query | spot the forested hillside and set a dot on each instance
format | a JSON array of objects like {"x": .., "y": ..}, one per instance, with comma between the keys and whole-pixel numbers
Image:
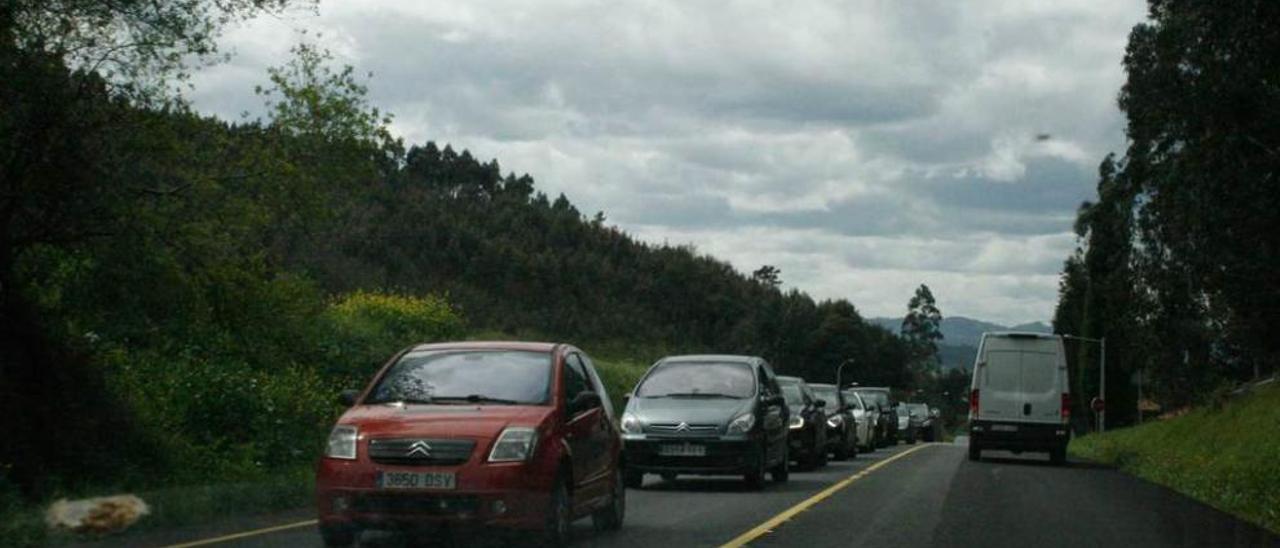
[
  {"x": 190, "y": 293},
  {"x": 1177, "y": 257}
]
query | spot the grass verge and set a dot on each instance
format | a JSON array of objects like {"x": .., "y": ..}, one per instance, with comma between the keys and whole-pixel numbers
[
  {"x": 176, "y": 507},
  {"x": 1228, "y": 458}
]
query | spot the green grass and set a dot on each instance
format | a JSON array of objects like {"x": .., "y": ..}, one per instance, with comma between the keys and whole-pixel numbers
[
  {"x": 174, "y": 507},
  {"x": 1228, "y": 458}
]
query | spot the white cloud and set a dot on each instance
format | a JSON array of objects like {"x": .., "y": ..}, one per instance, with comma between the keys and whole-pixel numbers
[{"x": 863, "y": 147}]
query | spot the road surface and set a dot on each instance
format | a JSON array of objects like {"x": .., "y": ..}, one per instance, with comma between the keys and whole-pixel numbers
[{"x": 924, "y": 495}]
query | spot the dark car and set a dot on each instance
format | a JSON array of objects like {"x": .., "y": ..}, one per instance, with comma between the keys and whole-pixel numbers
[
  {"x": 808, "y": 425},
  {"x": 906, "y": 426},
  {"x": 842, "y": 429},
  {"x": 707, "y": 415},
  {"x": 517, "y": 435},
  {"x": 921, "y": 420},
  {"x": 883, "y": 400}
]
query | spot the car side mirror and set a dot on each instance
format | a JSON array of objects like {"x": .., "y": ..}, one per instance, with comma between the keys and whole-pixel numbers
[
  {"x": 583, "y": 401},
  {"x": 820, "y": 403},
  {"x": 348, "y": 397}
]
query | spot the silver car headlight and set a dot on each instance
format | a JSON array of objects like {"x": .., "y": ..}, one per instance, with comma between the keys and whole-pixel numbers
[
  {"x": 515, "y": 444},
  {"x": 835, "y": 421},
  {"x": 342, "y": 442},
  {"x": 631, "y": 424},
  {"x": 797, "y": 422},
  {"x": 742, "y": 424}
]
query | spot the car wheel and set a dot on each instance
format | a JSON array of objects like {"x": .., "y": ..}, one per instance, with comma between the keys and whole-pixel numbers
[
  {"x": 755, "y": 478},
  {"x": 559, "y": 514},
  {"x": 975, "y": 450},
  {"x": 841, "y": 452},
  {"x": 336, "y": 536},
  {"x": 633, "y": 478},
  {"x": 610, "y": 517},
  {"x": 1058, "y": 455},
  {"x": 782, "y": 471}
]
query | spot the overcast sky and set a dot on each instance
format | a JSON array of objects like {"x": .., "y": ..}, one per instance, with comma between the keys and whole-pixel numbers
[{"x": 863, "y": 148}]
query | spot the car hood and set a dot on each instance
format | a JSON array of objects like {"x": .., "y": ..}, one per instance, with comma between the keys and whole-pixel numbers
[
  {"x": 690, "y": 410},
  {"x": 446, "y": 421}
]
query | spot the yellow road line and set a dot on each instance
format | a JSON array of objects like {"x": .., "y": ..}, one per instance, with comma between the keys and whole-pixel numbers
[
  {"x": 255, "y": 532},
  {"x": 789, "y": 513}
]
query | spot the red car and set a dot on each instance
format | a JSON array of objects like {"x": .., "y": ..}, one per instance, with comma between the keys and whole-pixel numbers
[{"x": 488, "y": 434}]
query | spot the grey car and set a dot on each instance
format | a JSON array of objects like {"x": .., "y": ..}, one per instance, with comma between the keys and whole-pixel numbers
[{"x": 706, "y": 415}]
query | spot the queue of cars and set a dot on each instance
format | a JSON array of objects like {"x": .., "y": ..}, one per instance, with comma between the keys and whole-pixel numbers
[{"x": 523, "y": 436}]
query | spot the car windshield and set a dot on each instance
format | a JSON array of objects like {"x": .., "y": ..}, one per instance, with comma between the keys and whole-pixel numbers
[
  {"x": 471, "y": 376},
  {"x": 791, "y": 391},
  {"x": 853, "y": 400},
  {"x": 699, "y": 379},
  {"x": 879, "y": 398},
  {"x": 826, "y": 393}
]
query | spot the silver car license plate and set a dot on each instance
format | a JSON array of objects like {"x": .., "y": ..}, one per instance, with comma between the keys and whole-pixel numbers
[
  {"x": 682, "y": 450},
  {"x": 416, "y": 480}
]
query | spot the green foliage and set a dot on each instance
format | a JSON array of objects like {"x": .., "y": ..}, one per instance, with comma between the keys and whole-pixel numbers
[
  {"x": 1228, "y": 458},
  {"x": 368, "y": 328}
]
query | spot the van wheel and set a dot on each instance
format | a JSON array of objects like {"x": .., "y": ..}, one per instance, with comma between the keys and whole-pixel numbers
[
  {"x": 975, "y": 451},
  {"x": 610, "y": 517},
  {"x": 840, "y": 453},
  {"x": 559, "y": 514}
]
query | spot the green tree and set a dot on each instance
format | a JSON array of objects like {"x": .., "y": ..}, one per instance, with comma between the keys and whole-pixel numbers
[{"x": 922, "y": 330}]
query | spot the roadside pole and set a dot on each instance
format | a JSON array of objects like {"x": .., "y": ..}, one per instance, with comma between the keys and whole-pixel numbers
[{"x": 1102, "y": 384}]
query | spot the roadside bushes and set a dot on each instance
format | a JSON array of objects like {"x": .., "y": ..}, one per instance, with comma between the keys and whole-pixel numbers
[{"x": 364, "y": 329}]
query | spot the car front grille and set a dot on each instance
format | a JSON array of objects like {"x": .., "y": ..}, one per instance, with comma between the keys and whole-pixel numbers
[
  {"x": 682, "y": 429},
  {"x": 422, "y": 451}
]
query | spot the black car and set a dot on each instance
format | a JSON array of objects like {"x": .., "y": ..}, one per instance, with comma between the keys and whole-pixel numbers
[
  {"x": 706, "y": 415},
  {"x": 923, "y": 419},
  {"x": 883, "y": 400},
  {"x": 842, "y": 431},
  {"x": 808, "y": 424}
]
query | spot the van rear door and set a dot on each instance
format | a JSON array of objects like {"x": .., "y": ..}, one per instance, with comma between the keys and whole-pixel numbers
[{"x": 1020, "y": 378}]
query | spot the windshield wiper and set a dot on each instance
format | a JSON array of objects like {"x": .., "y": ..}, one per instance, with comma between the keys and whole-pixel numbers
[
  {"x": 697, "y": 395},
  {"x": 476, "y": 398},
  {"x": 402, "y": 401}
]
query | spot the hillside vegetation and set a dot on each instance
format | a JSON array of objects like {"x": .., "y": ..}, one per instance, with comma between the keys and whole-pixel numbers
[{"x": 1227, "y": 457}]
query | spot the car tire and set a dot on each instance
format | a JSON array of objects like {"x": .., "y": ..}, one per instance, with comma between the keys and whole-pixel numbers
[
  {"x": 1058, "y": 455},
  {"x": 781, "y": 472},
  {"x": 633, "y": 479},
  {"x": 337, "y": 536},
  {"x": 975, "y": 450},
  {"x": 610, "y": 517},
  {"x": 840, "y": 453},
  {"x": 556, "y": 531}
]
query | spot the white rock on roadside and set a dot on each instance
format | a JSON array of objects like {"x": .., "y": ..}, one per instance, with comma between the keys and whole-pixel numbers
[{"x": 99, "y": 515}]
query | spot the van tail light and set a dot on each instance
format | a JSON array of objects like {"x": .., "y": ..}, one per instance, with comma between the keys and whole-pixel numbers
[
  {"x": 1066, "y": 407},
  {"x": 973, "y": 401}
]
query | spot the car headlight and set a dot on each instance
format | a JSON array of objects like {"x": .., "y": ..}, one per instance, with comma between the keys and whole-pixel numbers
[
  {"x": 515, "y": 444},
  {"x": 797, "y": 422},
  {"x": 742, "y": 424},
  {"x": 342, "y": 442},
  {"x": 835, "y": 421},
  {"x": 631, "y": 424}
]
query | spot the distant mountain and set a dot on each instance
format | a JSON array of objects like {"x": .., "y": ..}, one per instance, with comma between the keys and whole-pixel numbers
[
  {"x": 962, "y": 331},
  {"x": 960, "y": 336}
]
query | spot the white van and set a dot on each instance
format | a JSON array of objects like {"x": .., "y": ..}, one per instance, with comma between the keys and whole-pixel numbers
[{"x": 1019, "y": 399}]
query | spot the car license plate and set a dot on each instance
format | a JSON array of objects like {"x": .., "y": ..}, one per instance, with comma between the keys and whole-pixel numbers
[
  {"x": 682, "y": 450},
  {"x": 1004, "y": 427},
  {"x": 416, "y": 480}
]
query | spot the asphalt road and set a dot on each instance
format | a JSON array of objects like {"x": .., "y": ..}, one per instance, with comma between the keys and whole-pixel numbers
[{"x": 930, "y": 497}]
